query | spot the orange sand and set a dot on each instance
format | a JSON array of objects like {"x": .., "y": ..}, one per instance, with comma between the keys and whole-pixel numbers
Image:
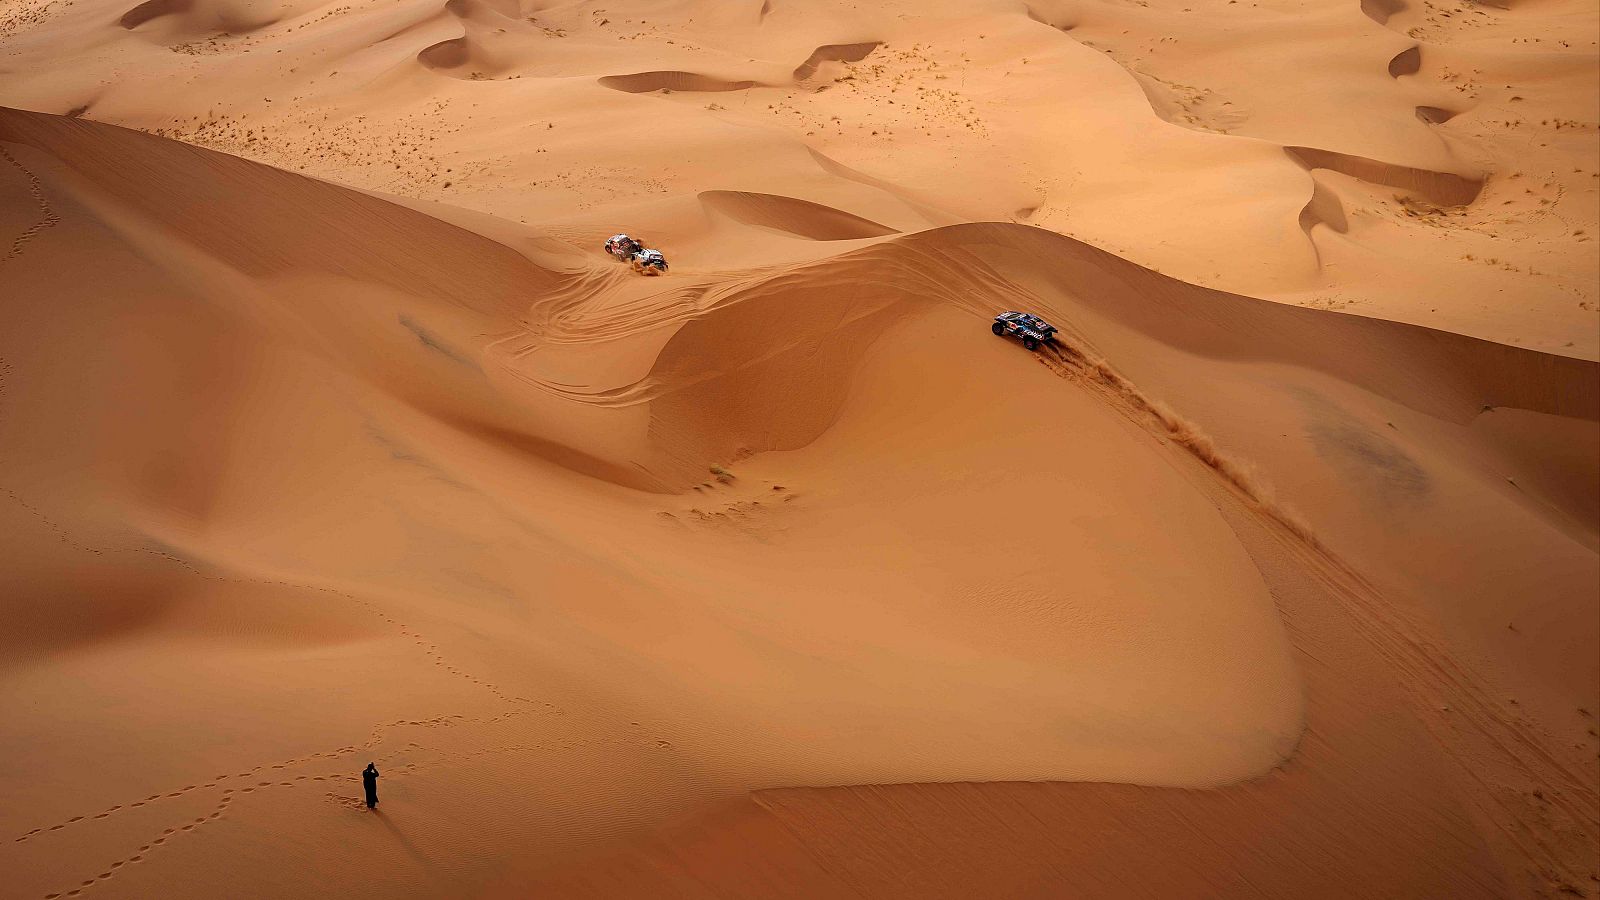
[{"x": 780, "y": 576}]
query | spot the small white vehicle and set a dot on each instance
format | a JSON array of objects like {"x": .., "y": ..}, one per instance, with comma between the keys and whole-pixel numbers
[{"x": 649, "y": 262}]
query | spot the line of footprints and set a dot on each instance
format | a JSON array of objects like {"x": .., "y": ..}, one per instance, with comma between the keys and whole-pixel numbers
[
  {"x": 430, "y": 649},
  {"x": 229, "y": 795},
  {"x": 344, "y": 775},
  {"x": 374, "y": 736}
]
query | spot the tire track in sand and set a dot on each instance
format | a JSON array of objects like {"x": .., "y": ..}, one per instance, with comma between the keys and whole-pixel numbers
[{"x": 1540, "y": 804}]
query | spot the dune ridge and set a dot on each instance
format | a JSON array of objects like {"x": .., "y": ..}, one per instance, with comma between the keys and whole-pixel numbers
[
  {"x": 827, "y": 53},
  {"x": 1442, "y": 188},
  {"x": 801, "y": 218},
  {"x": 649, "y": 82}
]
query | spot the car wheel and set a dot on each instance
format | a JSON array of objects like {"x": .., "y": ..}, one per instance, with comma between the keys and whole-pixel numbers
[
  {"x": 997, "y": 328},
  {"x": 1030, "y": 343}
]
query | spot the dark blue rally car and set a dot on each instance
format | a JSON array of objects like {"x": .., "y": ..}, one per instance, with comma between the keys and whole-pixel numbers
[{"x": 1032, "y": 329}]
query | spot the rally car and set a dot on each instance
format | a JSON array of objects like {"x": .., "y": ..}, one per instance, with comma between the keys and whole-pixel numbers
[
  {"x": 1033, "y": 330},
  {"x": 649, "y": 262},
  {"x": 622, "y": 247}
]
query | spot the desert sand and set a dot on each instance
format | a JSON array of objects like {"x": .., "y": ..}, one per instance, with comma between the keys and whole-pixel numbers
[{"x": 329, "y": 435}]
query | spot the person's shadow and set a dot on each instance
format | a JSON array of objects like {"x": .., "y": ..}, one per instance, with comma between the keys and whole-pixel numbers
[{"x": 405, "y": 843}]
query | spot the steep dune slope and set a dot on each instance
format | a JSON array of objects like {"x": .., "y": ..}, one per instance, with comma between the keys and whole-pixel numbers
[{"x": 297, "y": 478}]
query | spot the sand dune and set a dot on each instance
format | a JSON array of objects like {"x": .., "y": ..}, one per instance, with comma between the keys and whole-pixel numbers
[
  {"x": 1439, "y": 188},
  {"x": 1406, "y": 62},
  {"x": 801, "y": 218},
  {"x": 197, "y": 18},
  {"x": 834, "y": 53},
  {"x": 646, "y": 82},
  {"x": 328, "y": 435}
]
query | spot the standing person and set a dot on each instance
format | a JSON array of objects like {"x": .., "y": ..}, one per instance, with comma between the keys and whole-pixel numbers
[{"x": 369, "y": 780}]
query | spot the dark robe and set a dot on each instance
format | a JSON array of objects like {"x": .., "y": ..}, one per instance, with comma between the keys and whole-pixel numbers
[{"x": 369, "y": 780}]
